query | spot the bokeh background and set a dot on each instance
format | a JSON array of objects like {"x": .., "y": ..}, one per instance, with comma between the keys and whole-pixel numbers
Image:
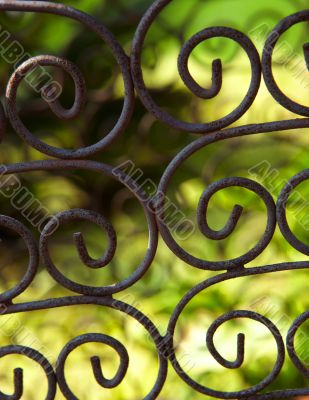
[{"x": 271, "y": 159}]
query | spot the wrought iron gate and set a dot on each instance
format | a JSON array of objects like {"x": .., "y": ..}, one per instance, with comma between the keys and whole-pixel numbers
[{"x": 216, "y": 131}]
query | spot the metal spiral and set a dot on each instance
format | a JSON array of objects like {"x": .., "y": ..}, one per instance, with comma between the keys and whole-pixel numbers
[{"x": 154, "y": 210}]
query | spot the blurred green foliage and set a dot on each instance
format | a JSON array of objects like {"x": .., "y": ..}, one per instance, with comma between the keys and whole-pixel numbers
[{"x": 271, "y": 159}]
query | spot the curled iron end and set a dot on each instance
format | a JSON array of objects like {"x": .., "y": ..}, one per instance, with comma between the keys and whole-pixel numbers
[
  {"x": 18, "y": 384},
  {"x": 35, "y": 356},
  {"x": 240, "y": 355},
  {"x": 95, "y": 361},
  {"x": 100, "y": 378},
  {"x": 190, "y": 82},
  {"x": 84, "y": 254}
]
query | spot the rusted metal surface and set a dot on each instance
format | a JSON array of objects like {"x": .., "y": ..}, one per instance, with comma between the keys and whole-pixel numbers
[{"x": 212, "y": 132}]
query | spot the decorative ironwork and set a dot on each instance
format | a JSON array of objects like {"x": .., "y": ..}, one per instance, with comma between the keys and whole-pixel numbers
[{"x": 132, "y": 74}]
